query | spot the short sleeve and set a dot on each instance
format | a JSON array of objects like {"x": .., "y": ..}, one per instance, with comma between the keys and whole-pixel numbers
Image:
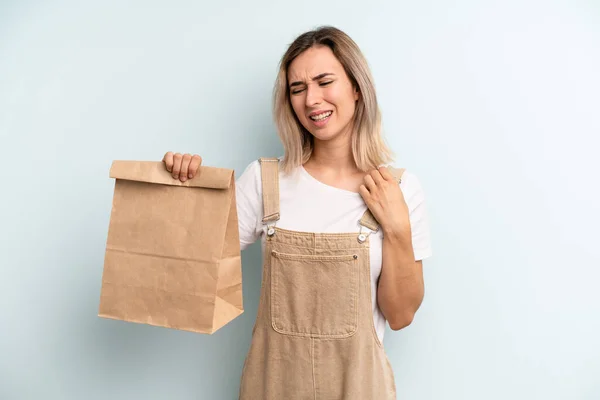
[
  {"x": 248, "y": 192},
  {"x": 419, "y": 219}
]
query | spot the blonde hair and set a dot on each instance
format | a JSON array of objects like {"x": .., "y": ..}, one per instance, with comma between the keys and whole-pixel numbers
[{"x": 368, "y": 147}]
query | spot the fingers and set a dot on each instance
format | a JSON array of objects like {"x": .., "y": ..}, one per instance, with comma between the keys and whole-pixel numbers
[
  {"x": 182, "y": 166},
  {"x": 369, "y": 183},
  {"x": 185, "y": 164},
  {"x": 168, "y": 160},
  {"x": 177, "y": 159},
  {"x": 386, "y": 174},
  {"x": 194, "y": 165},
  {"x": 364, "y": 192},
  {"x": 376, "y": 175}
]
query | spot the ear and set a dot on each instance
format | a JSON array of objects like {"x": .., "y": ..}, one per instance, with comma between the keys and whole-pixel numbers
[{"x": 356, "y": 94}]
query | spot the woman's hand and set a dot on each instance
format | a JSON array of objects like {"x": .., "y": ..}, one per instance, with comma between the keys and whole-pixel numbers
[
  {"x": 182, "y": 166},
  {"x": 383, "y": 196}
]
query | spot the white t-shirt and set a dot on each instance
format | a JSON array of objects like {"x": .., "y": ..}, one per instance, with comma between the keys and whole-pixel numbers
[{"x": 308, "y": 205}]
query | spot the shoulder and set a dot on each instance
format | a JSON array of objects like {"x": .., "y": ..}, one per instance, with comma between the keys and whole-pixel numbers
[
  {"x": 409, "y": 180},
  {"x": 410, "y": 185},
  {"x": 251, "y": 171},
  {"x": 251, "y": 179},
  {"x": 248, "y": 184}
]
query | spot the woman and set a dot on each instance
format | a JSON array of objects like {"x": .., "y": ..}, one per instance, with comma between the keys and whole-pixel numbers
[{"x": 343, "y": 237}]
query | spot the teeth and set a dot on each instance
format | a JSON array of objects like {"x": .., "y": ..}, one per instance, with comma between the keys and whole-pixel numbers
[{"x": 321, "y": 117}]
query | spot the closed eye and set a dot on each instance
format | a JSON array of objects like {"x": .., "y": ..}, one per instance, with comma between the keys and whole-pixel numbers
[
  {"x": 322, "y": 84},
  {"x": 300, "y": 90}
]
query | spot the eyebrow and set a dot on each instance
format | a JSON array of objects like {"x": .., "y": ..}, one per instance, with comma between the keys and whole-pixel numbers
[{"x": 323, "y": 75}]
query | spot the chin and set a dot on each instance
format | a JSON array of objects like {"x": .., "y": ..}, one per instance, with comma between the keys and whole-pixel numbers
[{"x": 325, "y": 134}]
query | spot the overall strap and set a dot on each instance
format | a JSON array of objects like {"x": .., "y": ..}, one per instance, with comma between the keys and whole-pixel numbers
[
  {"x": 269, "y": 170},
  {"x": 368, "y": 220}
]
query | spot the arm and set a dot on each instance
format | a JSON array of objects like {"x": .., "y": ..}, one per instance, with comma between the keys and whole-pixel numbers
[{"x": 401, "y": 287}]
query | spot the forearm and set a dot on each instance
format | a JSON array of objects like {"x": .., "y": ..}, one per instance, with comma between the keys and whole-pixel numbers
[{"x": 400, "y": 288}]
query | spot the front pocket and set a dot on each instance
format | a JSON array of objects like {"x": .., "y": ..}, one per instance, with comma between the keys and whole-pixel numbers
[{"x": 314, "y": 295}]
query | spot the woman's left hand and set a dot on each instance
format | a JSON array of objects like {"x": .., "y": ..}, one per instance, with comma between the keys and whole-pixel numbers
[{"x": 382, "y": 194}]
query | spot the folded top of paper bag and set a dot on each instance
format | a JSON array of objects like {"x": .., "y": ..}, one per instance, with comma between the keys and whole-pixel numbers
[{"x": 155, "y": 172}]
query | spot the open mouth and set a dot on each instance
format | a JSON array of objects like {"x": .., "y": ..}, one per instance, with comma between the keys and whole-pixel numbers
[{"x": 321, "y": 117}]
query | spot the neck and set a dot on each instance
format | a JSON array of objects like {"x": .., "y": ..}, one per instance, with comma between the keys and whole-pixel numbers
[{"x": 334, "y": 154}]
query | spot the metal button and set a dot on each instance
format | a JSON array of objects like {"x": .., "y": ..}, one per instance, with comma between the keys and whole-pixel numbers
[
  {"x": 362, "y": 237},
  {"x": 270, "y": 231}
]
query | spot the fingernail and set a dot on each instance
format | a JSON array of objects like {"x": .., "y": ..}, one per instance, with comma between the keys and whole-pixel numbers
[
  {"x": 190, "y": 176},
  {"x": 183, "y": 179}
]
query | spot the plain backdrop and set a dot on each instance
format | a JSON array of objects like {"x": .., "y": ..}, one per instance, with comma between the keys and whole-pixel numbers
[{"x": 494, "y": 105}]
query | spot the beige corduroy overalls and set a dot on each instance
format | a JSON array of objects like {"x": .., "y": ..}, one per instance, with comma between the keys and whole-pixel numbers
[{"x": 314, "y": 336}]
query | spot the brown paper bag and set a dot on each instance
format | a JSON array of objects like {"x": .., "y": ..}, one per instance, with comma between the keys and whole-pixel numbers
[{"x": 173, "y": 251}]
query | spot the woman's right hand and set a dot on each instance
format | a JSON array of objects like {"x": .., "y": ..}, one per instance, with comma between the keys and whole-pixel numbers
[{"x": 182, "y": 166}]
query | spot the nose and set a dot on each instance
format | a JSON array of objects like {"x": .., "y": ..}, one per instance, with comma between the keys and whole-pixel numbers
[{"x": 313, "y": 95}]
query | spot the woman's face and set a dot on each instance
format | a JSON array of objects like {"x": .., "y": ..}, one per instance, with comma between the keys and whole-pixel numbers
[{"x": 321, "y": 93}]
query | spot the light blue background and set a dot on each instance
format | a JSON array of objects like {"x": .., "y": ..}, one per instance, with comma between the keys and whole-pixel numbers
[{"x": 493, "y": 104}]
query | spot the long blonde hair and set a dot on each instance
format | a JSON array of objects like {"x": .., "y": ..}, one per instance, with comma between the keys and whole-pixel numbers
[{"x": 368, "y": 147}]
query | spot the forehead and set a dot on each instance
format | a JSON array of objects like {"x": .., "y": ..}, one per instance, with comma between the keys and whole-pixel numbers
[{"x": 313, "y": 62}]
